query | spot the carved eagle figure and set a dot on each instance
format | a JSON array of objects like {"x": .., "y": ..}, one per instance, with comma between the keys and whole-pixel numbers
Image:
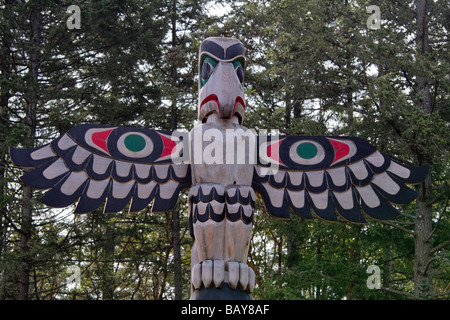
[{"x": 311, "y": 176}]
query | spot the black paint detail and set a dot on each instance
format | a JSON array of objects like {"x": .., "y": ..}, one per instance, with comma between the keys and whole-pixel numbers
[
  {"x": 235, "y": 50},
  {"x": 239, "y": 214},
  {"x": 212, "y": 195},
  {"x": 213, "y": 48}
]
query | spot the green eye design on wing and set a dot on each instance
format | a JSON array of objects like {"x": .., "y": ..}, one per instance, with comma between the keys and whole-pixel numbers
[
  {"x": 307, "y": 152},
  {"x": 135, "y": 145}
]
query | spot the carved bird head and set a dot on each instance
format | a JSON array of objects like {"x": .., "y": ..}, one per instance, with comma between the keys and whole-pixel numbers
[{"x": 221, "y": 78}]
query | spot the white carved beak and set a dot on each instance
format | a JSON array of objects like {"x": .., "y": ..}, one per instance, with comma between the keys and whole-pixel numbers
[{"x": 223, "y": 93}]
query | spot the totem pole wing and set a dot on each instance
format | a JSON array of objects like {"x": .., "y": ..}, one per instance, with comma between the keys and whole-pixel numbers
[
  {"x": 322, "y": 176},
  {"x": 96, "y": 164}
]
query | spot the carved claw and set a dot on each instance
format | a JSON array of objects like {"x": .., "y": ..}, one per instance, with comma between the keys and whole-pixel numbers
[{"x": 217, "y": 272}]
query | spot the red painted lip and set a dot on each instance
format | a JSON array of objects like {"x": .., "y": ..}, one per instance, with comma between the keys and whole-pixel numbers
[
  {"x": 240, "y": 101},
  {"x": 211, "y": 97}
]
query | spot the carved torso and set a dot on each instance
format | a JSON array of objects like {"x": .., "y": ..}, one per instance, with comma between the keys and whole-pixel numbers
[{"x": 221, "y": 203}]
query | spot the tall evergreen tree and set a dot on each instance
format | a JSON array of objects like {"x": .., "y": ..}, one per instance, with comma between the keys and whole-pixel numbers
[
  {"x": 320, "y": 69},
  {"x": 47, "y": 69}
]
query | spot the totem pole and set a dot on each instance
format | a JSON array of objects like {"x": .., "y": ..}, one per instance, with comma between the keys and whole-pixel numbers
[{"x": 223, "y": 163}]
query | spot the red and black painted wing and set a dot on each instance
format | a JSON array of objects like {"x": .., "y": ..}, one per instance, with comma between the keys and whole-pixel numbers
[
  {"x": 327, "y": 177},
  {"x": 96, "y": 164}
]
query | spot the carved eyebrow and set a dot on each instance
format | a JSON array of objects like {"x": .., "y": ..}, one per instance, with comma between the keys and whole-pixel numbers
[
  {"x": 213, "y": 48},
  {"x": 221, "y": 53},
  {"x": 235, "y": 50}
]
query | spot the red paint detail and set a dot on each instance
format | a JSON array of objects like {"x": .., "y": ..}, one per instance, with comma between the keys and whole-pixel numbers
[
  {"x": 340, "y": 149},
  {"x": 100, "y": 139},
  {"x": 273, "y": 151},
  {"x": 211, "y": 97},
  {"x": 240, "y": 101},
  {"x": 169, "y": 146}
]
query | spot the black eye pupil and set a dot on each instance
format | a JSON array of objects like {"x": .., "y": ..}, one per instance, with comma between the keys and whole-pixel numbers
[
  {"x": 240, "y": 73},
  {"x": 206, "y": 70}
]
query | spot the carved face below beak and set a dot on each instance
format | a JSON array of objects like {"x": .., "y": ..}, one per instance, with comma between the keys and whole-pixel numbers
[{"x": 221, "y": 79}]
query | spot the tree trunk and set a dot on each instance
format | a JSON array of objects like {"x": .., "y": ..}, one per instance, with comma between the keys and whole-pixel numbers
[
  {"x": 32, "y": 102},
  {"x": 176, "y": 242},
  {"x": 423, "y": 48},
  {"x": 108, "y": 246},
  {"x": 178, "y": 279},
  {"x": 5, "y": 74},
  {"x": 423, "y": 267},
  {"x": 387, "y": 258}
]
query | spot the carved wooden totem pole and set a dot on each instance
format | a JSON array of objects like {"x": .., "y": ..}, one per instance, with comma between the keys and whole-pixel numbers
[{"x": 223, "y": 163}]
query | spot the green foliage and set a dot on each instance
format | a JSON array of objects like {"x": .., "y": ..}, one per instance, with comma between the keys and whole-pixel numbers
[{"x": 317, "y": 69}]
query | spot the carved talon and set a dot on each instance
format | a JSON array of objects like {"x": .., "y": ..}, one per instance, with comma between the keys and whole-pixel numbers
[{"x": 217, "y": 272}]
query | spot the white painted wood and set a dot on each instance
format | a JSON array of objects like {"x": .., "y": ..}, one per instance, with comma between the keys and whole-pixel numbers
[
  {"x": 220, "y": 159},
  {"x": 233, "y": 274},
  {"x": 65, "y": 142},
  {"x": 209, "y": 240},
  {"x": 320, "y": 199},
  {"x": 248, "y": 210},
  {"x": 75, "y": 180},
  {"x": 161, "y": 171},
  {"x": 219, "y": 273},
  {"x": 142, "y": 170},
  {"x": 121, "y": 190},
  {"x": 251, "y": 279},
  {"x": 345, "y": 199},
  {"x": 376, "y": 159},
  {"x": 207, "y": 273},
  {"x": 166, "y": 190},
  {"x": 237, "y": 240},
  {"x": 316, "y": 177},
  {"x": 42, "y": 153},
  {"x": 279, "y": 176},
  {"x": 297, "y": 198},
  {"x": 80, "y": 155},
  {"x": 100, "y": 164},
  {"x": 369, "y": 196},
  {"x": 243, "y": 276},
  {"x": 338, "y": 175},
  {"x": 56, "y": 169},
  {"x": 144, "y": 190},
  {"x": 276, "y": 195},
  {"x": 359, "y": 169},
  {"x": 123, "y": 168},
  {"x": 180, "y": 170},
  {"x": 385, "y": 182},
  {"x": 296, "y": 177},
  {"x": 96, "y": 188},
  {"x": 217, "y": 207},
  {"x": 399, "y": 170},
  {"x": 196, "y": 276}
]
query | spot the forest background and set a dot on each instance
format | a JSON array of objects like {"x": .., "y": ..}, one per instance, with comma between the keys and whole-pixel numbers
[{"x": 314, "y": 68}]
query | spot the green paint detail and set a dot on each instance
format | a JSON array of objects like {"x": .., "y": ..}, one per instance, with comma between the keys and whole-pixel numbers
[
  {"x": 134, "y": 143},
  {"x": 307, "y": 150},
  {"x": 238, "y": 62},
  {"x": 213, "y": 63}
]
